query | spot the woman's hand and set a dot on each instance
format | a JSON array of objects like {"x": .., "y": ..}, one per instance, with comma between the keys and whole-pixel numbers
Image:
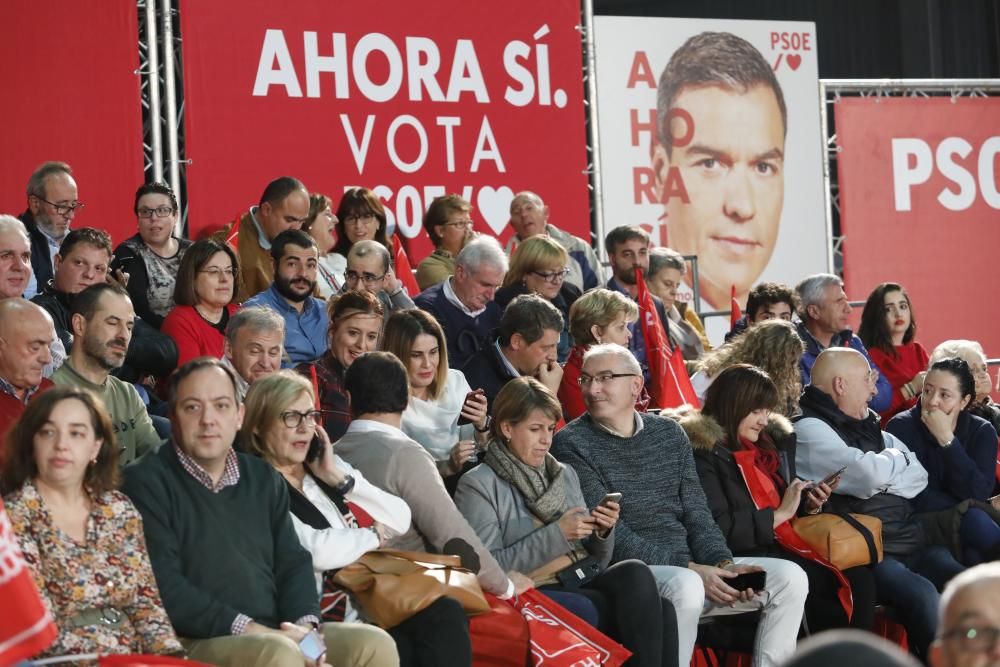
[
  {"x": 325, "y": 466},
  {"x": 576, "y": 524},
  {"x": 940, "y": 424},
  {"x": 460, "y": 453},
  {"x": 474, "y": 409},
  {"x": 605, "y": 517},
  {"x": 789, "y": 502},
  {"x": 917, "y": 382}
]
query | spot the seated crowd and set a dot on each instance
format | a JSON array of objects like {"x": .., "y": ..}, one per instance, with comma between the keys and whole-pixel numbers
[{"x": 198, "y": 436}]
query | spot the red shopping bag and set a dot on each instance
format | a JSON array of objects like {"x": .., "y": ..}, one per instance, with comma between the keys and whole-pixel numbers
[
  {"x": 560, "y": 639},
  {"x": 500, "y": 637}
]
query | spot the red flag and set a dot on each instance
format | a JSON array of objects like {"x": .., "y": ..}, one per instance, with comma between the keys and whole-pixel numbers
[
  {"x": 735, "y": 313},
  {"x": 669, "y": 384},
  {"x": 404, "y": 272},
  {"x": 25, "y": 625}
]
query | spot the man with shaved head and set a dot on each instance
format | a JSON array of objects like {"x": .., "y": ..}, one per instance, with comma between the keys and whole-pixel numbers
[
  {"x": 26, "y": 333},
  {"x": 529, "y": 216},
  {"x": 970, "y": 620},
  {"x": 837, "y": 430}
]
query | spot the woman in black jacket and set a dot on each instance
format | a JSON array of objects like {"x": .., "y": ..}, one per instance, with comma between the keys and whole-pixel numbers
[{"x": 736, "y": 426}]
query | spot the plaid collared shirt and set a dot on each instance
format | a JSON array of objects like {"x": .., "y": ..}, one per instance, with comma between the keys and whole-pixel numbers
[
  {"x": 230, "y": 475},
  {"x": 11, "y": 390}
]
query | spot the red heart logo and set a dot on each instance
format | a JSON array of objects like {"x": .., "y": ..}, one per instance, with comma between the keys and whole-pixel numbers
[{"x": 794, "y": 60}]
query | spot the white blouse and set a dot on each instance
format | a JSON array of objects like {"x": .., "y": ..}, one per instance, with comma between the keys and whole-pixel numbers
[
  {"x": 330, "y": 274},
  {"x": 434, "y": 424}
]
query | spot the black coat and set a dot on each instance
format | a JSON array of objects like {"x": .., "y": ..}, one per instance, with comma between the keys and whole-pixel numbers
[{"x": 487, "y": 371}]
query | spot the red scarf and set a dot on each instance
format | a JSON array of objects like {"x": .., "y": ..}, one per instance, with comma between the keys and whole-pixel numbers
[
  {"x": 765, "y": 495},
  {"x": 767, "y": 460}
]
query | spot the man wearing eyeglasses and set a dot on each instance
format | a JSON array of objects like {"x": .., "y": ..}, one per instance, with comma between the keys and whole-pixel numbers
[
  {"x": 665, "y": 520},
  {"x": 529, "y": 216},
  {"x": 294, "y": 255},
  {"x": 52, "y": 205},
  {"x": 970, "y": 620},
  {"x": 369, "y": 269},
  {"x": 283, "y": 205}
]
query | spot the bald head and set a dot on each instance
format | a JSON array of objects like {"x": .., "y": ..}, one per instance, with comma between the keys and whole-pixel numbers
[
  {"x": 845, "y": 375},
  {"x": 971, "y": 600},
  {"x": 26, "y": 333},
  {"x": 528, "y": 214}
]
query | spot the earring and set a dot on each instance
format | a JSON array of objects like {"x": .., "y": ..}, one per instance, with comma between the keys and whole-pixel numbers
[
  {"x": 93, "y": 461},
  {"x": 600, "y": 341}
]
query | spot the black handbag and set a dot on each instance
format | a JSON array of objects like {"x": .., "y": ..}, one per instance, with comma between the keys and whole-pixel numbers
[{"x": 579, "y": 573}]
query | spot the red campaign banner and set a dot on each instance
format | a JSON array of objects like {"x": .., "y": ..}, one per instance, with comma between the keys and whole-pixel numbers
[
  {"x": 71, "y": 93},
  {"x": 919, "y": 206},
  {"x": 474, "y": 98}
]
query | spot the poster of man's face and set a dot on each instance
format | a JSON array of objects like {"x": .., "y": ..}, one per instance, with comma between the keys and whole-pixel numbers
[{"x": 703, "y": 134}]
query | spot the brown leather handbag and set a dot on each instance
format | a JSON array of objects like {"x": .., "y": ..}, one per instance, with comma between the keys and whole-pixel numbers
[
  {"x": 846, "y": 540},
  {"x": 390, "y": 586}
]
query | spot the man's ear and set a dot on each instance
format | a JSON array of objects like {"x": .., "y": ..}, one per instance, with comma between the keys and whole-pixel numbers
[
  {"x": 227, "y": 349},
  {"x": 637, "y": 383},
  {"x": 516, "y": 342},
  {"x": 660, "y": 161},
  {"x": 34, "y": 205},
  {"x": 812, "y": 312},
  {"x": 78, "y": 324}
]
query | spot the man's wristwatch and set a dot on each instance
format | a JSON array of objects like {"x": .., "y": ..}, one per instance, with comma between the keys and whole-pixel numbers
[{"x": 489, "y": 424}]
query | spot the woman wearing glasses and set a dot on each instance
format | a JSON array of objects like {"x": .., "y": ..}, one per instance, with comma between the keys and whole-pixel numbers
[
  {"x": 338, "y": 516},
  {"x": 152, "y": 257},
  {"x": 360, "y": 217},
  {"x": 207, "y": 285},
  {"x": 449, "y": 225},
  {"x": 539, "y": 265}
]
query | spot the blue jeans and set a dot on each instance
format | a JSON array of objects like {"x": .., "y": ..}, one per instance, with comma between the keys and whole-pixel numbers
[{"x": 980, "y": 536}]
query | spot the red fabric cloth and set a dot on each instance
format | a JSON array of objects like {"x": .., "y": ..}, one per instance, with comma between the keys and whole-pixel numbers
[
  {"x": 25, "y": 626},
  {"x": 911, "y": 358},
  {"x": 734, "y": 308},
  {"x": 194, "y": 336},
  {"x": 11, "y": 409},
  {"x": 404, "y": 272},
  {"x": 569, "y": 389},
  {"x": 670, "y": 386},
  {"x": 767, "y": 461},
  {"x": 500, "y": 638}
]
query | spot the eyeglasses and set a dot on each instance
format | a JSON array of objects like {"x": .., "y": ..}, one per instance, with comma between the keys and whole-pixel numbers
[
  {"x": 217, "y": 273},
  {"x": 358, "y": 220},
  {"x": 973, "y": 639},
  {"x": 552, "y": 276},
  {"x": 369, "y": 278},
  {"x": 602, "y": 378},
  {"x": 294, "y": 418},
  {"x": 159, "y": 211},
  {"x": 461, "y": 224},
  {"x": 62, "y": 209}
]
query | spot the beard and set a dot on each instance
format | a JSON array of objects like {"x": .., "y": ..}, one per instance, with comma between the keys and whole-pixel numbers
[
  {"x": 627, "y": 277},
  {"x": 284, "y": 287},
  {"x": 98, "y": 351}
]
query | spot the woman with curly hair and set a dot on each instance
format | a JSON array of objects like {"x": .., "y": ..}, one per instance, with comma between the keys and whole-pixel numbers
[
  {"x": 887, "y": 329},
  {"x": 773, "y": 346}
]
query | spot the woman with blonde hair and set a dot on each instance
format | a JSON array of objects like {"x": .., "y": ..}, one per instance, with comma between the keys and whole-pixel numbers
[
  {"x": 321, "y": 225},
  {"x": 338, "y": 516},
  {"x": 773, "y": 346},
  {"x": 540, "y": 265},
  {"x": 443, "y": 415},
  {"x": 599, "y": 316}
]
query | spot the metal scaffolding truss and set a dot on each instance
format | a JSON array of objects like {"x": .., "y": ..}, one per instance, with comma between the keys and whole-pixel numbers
[
  {"x": 830, "y": 93},
  {"x": 162, "y": 98}
]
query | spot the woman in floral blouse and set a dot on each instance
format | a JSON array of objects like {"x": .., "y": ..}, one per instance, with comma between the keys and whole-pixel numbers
[{"x": 82, "y": 539}]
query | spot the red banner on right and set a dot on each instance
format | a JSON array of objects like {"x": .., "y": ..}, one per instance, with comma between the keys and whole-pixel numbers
[{"x": 920, "y": 205}]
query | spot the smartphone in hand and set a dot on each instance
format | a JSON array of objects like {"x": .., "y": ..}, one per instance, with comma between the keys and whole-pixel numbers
[
  {"x": 752, "y": 580},
  {"x": 462, "y": 419}
]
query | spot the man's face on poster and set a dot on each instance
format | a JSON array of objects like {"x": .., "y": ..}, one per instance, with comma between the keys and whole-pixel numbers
[{"x": 730, "y": 158}]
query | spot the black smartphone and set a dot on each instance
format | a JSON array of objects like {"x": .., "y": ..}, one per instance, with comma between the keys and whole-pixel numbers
[
  {"x": 829, "y": 478},
  {"x": 315, "y": 449},
  {"x": 462, "y": 420},
  {"x": 752, "y": 580}
]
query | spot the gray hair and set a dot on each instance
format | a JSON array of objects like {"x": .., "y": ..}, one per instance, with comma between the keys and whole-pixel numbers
[
  {"x": 972, "y": 576},
  {"x": 812, "y": 290},
  {"x": 255, "y": 318},
  {"x": 363, "y": 249},
  {"x": 483, "y": 250},
  {"x": 36, "y": 184},
  {"x": 9, "y": 223},
  {"x": 665, "y": 258},
  {"x": 614, "y": 350},
  {"x": 526, "y": 195},
  {"x": 954, "y": 348}
]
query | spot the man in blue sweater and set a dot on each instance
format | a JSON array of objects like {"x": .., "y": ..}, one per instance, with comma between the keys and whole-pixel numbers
[
  {"x": 665, "y": 520},
  {"x": 235, "y": 581}
]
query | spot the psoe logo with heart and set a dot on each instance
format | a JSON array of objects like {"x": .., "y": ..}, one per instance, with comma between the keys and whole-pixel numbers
[{"x": 789, "y": 47}]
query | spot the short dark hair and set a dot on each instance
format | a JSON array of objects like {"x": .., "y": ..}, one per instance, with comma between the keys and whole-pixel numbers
[
  {"x": 960, "y": 369},
  {"x": 874, "y": 331},
  {"x": 19, "y": 459},
  {"x": 156, "y": 188},
  {"x": 438, "y": 212},
  {"x": 87, "y": 300},
  {"x": 766, "y": 294},
  {"x": 279, "y": 189},
  {"x": 359, "y": 201},
  {"x": 735, "y": 393},
  {"x": 713, "y": 59},
  {"x": 295, "y": 237},
  {"x": 194, "y": 260},
  {"x": 531, "y": 316},
  {"x": 377, "y": 382},
  {"x": 86, "y": 235},
  {"x": 623, "y": 234},
  {"x": 193, "y": 366}
]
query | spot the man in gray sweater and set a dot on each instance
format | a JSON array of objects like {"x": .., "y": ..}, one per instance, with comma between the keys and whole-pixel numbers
[{"x": 665, "y": 520}]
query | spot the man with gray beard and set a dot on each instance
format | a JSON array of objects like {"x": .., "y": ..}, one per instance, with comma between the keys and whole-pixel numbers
[{"x": 102, "y": 319}]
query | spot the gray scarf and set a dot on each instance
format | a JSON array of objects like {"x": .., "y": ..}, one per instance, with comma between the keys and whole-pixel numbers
[{"x": 543, "y": 488}]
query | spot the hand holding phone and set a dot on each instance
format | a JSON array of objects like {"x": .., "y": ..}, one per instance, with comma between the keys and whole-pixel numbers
[
  {"x": 829, "y": 478},
  {"x": 476, "y": 402},
  {"x": 312, "y": 646},
  {"x": 754, "y": 581}
]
